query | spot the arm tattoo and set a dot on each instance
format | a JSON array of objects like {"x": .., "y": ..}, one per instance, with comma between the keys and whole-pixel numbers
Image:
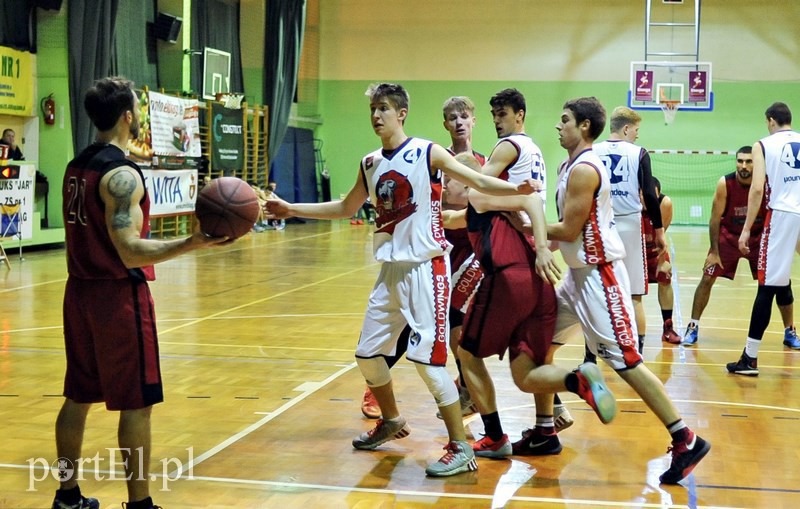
[{"x": 121, "y": 187}]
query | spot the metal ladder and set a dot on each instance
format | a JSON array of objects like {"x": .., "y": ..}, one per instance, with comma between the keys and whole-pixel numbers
[{"x": 650, "y": 24}]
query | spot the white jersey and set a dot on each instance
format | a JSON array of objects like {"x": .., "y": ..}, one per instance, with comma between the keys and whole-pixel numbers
[
  {"x": 529, "y": 163},
  {"x": 598, "y": 242},
  {"x": 408, "y": 203},
  {"x": 782, "y": 158},
  {"x": 621, "y": 160}
]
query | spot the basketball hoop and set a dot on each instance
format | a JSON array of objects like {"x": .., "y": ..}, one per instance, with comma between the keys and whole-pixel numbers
[{"x": 670, "y": 109}]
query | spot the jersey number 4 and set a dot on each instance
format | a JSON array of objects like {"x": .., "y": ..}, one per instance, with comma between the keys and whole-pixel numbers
[{"x": 791, "y": 155}]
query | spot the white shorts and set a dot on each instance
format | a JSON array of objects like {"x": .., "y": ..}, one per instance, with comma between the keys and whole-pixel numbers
[
  {"x": 597, "y": 299},
  {"x": 414, "y": 294},
  {"x": 778, "y": 243},
  {"x": 630, "y": 230}
]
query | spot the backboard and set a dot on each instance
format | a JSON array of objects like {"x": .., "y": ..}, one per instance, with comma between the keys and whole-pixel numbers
[{"x": 653, "y": 82}]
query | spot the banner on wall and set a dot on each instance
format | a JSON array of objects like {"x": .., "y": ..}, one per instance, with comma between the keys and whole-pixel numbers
[
  {"x": 17, "y": 72},
  {"x": 227, "y": 150},
  {"x": 16, "y": 200},
  {"x": 174, "y": 125},
  {"x": 171, "y": 191},
  {"x": 698, "y": 86},
  {"x": 644, "y": 86}
]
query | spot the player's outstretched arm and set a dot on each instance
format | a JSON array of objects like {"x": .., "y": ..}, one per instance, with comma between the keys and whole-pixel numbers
[
  {"x": 440, "y": 158},
  {"x": 121, "y": 190},
  {"x": 277, "y": 208}
]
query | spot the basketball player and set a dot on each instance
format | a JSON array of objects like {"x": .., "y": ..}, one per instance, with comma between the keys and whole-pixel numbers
[
  {"x": 459, "y": 119},
  {"x": 659, "y": 266},
  {"x": 495, "y": 323},
  {"x": 629, "y": 170},
  {"x": 403, "y": 179},
  {"x": 109, "y": 324},
  {"x": 594, "y": 294},
  {"x": 776, "y": 160},
  {"x": 728, "y": 213}
]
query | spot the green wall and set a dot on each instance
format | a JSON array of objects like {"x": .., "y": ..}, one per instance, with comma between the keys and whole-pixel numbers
[
  {"x": 55, "y": 141},
  {"x": 738, "y": 119}
]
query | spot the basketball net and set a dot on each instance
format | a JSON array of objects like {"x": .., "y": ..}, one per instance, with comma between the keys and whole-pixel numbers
[{"x": 670, "y": 109}]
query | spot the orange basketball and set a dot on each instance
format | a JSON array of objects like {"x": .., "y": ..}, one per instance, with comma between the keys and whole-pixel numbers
[{"x": 227, "y": 207}]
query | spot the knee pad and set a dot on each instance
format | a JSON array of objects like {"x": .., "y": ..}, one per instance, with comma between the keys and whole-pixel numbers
[
  {"x": 440, "y": 385},
  {"x": 375, "y": 371},
  {"x": 784, "y": 295}
]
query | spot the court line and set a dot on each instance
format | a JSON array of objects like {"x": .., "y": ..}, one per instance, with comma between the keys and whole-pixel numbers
[{"x": 258, "y": 424}]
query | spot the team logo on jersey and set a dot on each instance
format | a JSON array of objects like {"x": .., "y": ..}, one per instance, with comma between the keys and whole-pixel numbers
[
  {"x": 395, "y": 201},
  {"x": 411, "y": 156}
]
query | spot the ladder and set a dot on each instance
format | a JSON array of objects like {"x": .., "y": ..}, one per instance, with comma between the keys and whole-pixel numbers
[{"x": 659, "y": 24}]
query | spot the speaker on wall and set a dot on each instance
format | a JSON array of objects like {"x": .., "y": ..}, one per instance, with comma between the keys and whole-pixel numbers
[
  {"x": 51, "y": 5},
  {"x": 168, "y": 27}
]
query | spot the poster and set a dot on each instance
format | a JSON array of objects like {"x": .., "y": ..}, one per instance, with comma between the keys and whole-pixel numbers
[
  {"x": 16, "y": 198},
  {"x": 227, "y": 153},
  {"x": 643, "y": 90},
  {"x": 174, "y": 125},
  {"x": 171, "y": 192},
  {"x": 17, "y": 82},
  {"x": 698, "y": 86}
]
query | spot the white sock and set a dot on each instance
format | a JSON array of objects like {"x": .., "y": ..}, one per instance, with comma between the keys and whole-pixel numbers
[
  {"x": 696, "y": 322},
  {"x": 751, "y": 347}
]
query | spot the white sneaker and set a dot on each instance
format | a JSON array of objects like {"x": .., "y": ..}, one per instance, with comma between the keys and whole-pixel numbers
[
  {"x": 458, "y": 458},
  {"x": 562, "y": 419},
  {"x": 382, "y": 432}
]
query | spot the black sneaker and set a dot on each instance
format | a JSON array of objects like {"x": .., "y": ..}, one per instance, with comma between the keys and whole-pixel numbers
[
  {"x": 746, "y": 365},
  {"x": 685, "y": 456},
  {"x": 536, "y": 443},
  {"x": 84, "y": 503}
]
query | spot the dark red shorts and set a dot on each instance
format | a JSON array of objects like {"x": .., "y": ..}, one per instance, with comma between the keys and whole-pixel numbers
[
  {"x": 513, "y": 309},
  {"x": 730, "y": 255},
  {"x": 652, "y": 265},
  {"x": 111, "y": 344}
]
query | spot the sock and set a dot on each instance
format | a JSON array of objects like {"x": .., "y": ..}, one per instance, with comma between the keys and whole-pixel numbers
[
  {"x": 70, "y": 497},
  {"x": 545, "y": 424},
  {"x": 394, "y": 420},
  {"x": 572, "y": 383},
  {"x": 641, "y": 342},
  {"x": 666, "y": 314},
  {"x": 492, "y": 426},
  {"x": 556, "y": 399},
  {"x": 141, "y": 504},
  {"x": 695, "y": 322},
  {"x": 751, "y": 347},
  {"x": 679, "y": 431}
]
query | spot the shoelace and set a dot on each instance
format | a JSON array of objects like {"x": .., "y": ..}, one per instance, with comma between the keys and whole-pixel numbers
[
  {"x": 375, "y": 429},
  {"x": 449, "y": 455}
]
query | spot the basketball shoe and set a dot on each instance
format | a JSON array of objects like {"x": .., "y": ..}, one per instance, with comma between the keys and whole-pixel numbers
[
  {"x": 458, "y": 458},
  {"x": 746, "y": 365},
  {"x": 83, "y": 503},
  {"x": 536, "y": 443},
  {"x": 369, "y": 405},
  {"x": 593, "y": 390},
  {"x": 692, "y": 331},
  {"x": 562, "y": 418},
  {"x": 488, "y": 448},
  {"x": 381, "y": 433},
  {"x": 790, "y": 338},
  {"x": 685, "y": 456},
  {"x": 669, "y": 335}
]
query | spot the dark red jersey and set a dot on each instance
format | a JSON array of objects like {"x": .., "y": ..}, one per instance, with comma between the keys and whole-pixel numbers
[
  {"x": 90, "y": 252},
  {"x": 736, "y": 209}
]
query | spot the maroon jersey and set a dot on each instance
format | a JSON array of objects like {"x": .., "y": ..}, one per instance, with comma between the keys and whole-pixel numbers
[
  {"x": 90, "y": 252},
  {"x": 736, "y": 209},
  {"x": 496, "y": 243},
  {"x": 477, "y": 155},
  {"x": 649, "y": 231}
]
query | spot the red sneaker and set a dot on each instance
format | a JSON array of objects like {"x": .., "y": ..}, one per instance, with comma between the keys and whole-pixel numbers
[
  {"x": 369, "y": 405},
  {"x": 488, "y": 448},
  {"x": 669, "y": 335},
  {"x": 593, "y": 390}
]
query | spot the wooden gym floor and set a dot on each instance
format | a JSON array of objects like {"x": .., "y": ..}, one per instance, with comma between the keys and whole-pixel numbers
[{"x": 263, "y": 395}]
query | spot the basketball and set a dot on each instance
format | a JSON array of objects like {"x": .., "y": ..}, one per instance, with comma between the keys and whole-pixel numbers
[{"x": 227, "y": 207}]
